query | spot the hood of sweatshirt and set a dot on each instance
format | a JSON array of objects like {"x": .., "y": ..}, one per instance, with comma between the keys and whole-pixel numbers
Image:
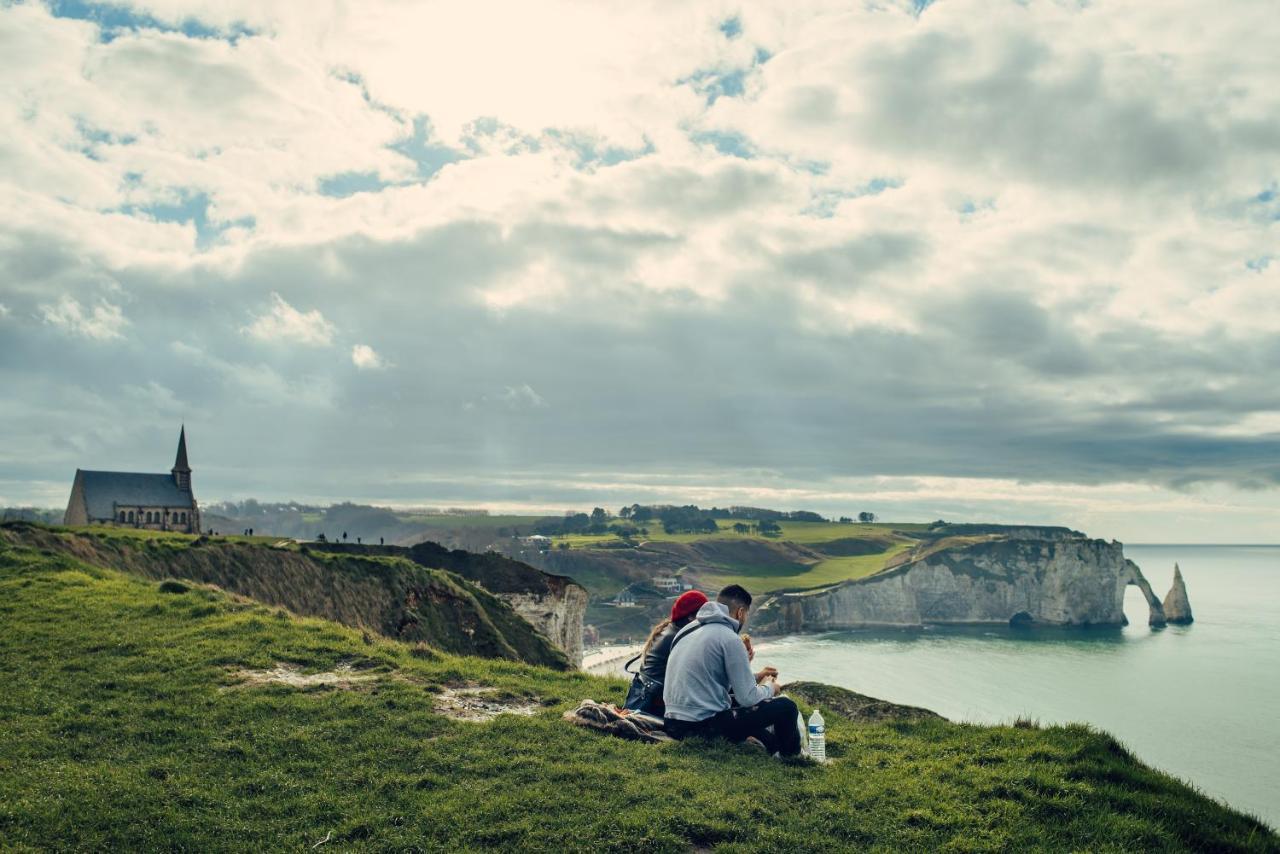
[{"x": 714, "y": 612}]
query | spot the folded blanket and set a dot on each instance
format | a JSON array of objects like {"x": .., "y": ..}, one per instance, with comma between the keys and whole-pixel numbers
[{"x": 622, "y": 723}]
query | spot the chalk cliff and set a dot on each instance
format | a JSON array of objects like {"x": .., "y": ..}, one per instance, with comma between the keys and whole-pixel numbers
[
  {"x": 1177, "y": 609},
  {"x": 1062, "y": 580},
  {"x": 555, "y": 605},
  {"x": 370, "y": 587}
]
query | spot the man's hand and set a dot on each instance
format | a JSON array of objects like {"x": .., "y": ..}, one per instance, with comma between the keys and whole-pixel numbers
[
  {"x": 767, "y": 673},
  {"x": 751, "y": 651}
]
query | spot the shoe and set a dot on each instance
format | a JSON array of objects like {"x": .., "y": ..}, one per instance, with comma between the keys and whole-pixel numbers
[{"x": 752, "y": 741}]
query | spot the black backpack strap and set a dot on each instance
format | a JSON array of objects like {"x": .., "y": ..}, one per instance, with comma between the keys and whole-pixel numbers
[
  {"x": 684, "y": 633},
  {"x": 626, "y": 668}
]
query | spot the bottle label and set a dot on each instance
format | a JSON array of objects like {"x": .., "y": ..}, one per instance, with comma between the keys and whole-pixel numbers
[{"x": 816, "y": 729}]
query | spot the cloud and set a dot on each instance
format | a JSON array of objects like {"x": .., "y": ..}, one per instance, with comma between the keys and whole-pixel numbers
[
  {"x": 282, "y": 323},
  {"x": 103, "y": 322},
  {"x": 763, "y": 252},
  {"x": 522, "y": 397},
  {"x": 366, "y": 358},
  {"x": 154, "y": 397},
  {"x": 258, "y": 384}
]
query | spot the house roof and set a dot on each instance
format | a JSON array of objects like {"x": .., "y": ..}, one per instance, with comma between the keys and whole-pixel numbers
[{"x": 104, "y": 489}]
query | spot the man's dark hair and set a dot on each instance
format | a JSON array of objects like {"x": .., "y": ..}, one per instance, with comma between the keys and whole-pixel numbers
[{"x": 734, "y": 596}]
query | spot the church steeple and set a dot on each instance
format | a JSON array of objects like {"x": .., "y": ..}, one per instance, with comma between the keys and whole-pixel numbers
[{"x": 182, "y": 471}]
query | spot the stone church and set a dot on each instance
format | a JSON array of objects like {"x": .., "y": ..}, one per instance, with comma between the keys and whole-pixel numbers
[{"x": 159, "y": 502}]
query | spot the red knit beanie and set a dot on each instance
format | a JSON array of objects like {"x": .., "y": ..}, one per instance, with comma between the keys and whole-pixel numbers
[{"x": 687, "y": 605}]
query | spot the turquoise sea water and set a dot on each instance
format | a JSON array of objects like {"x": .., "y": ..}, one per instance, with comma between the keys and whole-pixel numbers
[{"x": 1201, "y": 702}]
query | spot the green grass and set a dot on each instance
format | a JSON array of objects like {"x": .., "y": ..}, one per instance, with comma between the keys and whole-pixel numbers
[
  {"x": 119, "y": 534},
  {"x": 797, "y": 532},
  {"x": 387, "y": 594},
  {"x": 122, "y": 728},
  {"x": 763, "y": 578},
  {"x": 805, "y": 533},
  {"x": 830, "y": 571},
  {"x": 769, "y": 577}
]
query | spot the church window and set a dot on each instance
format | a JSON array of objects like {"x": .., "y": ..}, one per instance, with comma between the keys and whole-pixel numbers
[
  {"x": 121, "y": 515},
  {"x": 130, "y": 515},
  {"x": 149, "y": 517}
]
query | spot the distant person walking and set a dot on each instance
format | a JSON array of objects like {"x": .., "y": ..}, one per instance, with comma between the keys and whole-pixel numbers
[
  {"x": 645, "y": 694},
  {"x": 707, "y": 662}
]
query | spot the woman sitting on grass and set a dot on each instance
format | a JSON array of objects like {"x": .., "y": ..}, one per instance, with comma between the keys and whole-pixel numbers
[{"x": 645, "y": 694}]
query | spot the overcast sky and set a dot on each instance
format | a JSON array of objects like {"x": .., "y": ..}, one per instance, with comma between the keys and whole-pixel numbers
[{"x": 973, "y": 259}]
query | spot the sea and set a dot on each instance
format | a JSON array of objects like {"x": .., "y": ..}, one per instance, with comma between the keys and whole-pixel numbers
[{"x": 1201, "y": 702}]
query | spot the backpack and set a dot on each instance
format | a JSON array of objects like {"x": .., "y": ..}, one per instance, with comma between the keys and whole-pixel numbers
[{"x": 645, "y": 694}]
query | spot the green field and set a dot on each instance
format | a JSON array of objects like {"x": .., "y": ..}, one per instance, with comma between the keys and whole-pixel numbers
[
  {"x": 761, "y": 576},
  {"x": 136, "y": 716},
  {"x": 830, "y": 571},
  {"x": 769, "y": 576},
  {"x": 109, "y": 532},
  {"x": 807, "y": 533}
]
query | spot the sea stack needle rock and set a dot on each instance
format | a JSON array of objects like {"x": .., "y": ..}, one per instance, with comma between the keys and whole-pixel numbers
[{"x": 1177, "y": 610}]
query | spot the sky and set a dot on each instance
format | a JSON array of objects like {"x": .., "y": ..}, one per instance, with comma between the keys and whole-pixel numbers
[{"x": 964, "y": 259}]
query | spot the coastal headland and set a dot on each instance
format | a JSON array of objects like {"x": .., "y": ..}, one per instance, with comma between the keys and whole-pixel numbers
[{"x": 146, "y": 712}]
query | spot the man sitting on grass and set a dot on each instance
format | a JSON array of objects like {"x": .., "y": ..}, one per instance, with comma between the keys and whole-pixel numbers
[{"x": 708, "y": 661}]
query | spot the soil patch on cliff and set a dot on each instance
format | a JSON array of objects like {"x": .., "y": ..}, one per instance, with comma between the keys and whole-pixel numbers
[
  {"x": 479, "y": 703},
  {"x": 343, "y": 676}
]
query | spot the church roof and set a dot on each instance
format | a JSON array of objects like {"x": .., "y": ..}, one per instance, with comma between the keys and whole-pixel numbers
[
  {"x": 104, "y": 489},
  {"x": 180, "y": 464}
]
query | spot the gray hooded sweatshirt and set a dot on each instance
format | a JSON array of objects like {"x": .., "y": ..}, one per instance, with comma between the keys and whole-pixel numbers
[{"x": 706, "y": 664}]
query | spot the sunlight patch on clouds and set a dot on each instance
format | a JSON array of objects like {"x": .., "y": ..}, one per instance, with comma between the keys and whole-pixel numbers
[
  {"x": 366, "y": 358},
  {"x": 102, "y": 322},
  {"x": 282, "y": 323}
]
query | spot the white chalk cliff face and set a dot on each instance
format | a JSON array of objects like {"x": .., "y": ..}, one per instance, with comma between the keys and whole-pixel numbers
[
  {"x": 1177, "y": 609},
  {"x": 1059, "y": 581},
  {"x": 557, "y": 614}
]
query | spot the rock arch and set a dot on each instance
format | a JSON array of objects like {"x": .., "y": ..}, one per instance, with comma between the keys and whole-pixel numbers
[{"x": 1136, "y": 578}]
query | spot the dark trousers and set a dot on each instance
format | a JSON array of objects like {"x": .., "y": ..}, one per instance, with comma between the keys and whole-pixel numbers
[{"x": 740, "y": 724}]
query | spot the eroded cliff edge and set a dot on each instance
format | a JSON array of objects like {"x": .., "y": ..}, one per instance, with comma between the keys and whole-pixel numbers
[
  {"x": 553, "y": 604},
  {"x": 470, "y": 604},
  {"x": 1013, "y": 578}
]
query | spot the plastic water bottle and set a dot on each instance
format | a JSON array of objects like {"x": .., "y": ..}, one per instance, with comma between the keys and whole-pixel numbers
[{"x": 817, "y": 737}]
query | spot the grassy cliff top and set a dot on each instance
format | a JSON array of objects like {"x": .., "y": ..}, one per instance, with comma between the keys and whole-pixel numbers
[
  {"x": 802, "y": 555},
  {"x": 388, "y": 594},
  {"x": 140, "y": 714}
]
